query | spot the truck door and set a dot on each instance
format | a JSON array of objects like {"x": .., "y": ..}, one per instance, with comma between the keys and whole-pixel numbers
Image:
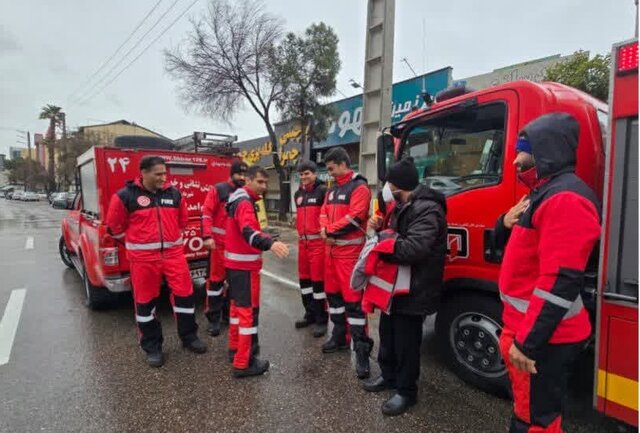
[
  {"x": 466, "y": 154},
  {"x": 89, "y": 221},
  {"x": 617, "y": 329}
]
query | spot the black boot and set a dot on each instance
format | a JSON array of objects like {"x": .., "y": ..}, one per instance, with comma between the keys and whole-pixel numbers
[
  {"x": 195, "y": 345},
  {"x": 214, "y": 328},
  {"x": 398, "y": 404},
  {"x": 303, "y": 323},
  {"x": 377, "y": 384},
  {"x": 155, "y": 359},
  {"x": 255, "y": 350},
  {"x": 332, "y": 345},
  {"x": 362, "y": 349},
  {"x": 256, "y": 367},
  {"x": 319, "y": 329},
  {"x": 225, "y": 311}
]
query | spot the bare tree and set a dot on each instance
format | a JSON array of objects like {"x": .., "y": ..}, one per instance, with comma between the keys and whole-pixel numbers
[{"x": 227, "y": 61}]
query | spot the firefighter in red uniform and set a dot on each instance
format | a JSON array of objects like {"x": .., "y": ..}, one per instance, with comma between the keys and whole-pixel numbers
[
  {"x": 244, "y": 245},
  {"x": 343, "y": 221},
  {"x": 214, "y": 221},
  {"x": 551, "y": 235},
  {"x": 151, "y": 215},
  {"x": 311, "y": 249}
]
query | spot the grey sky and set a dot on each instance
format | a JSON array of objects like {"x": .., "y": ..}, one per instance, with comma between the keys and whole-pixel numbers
[{"x": 48, "y": 49}]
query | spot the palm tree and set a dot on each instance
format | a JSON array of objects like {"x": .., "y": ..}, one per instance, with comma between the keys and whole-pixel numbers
[{"x": 54, "y": 114}]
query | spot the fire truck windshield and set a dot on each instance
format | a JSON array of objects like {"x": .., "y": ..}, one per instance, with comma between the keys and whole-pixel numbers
[{"x": 460, "y": 150}]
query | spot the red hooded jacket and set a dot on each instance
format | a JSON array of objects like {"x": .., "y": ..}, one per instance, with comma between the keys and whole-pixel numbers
[{"x": 542, "y": 273}]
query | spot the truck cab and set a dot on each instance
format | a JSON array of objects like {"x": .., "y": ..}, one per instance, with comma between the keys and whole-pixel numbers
[
  {"x": 463, "y": 145},
  {"x": 85, "y": 244}
]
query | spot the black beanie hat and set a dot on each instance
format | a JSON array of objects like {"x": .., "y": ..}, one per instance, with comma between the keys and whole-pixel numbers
[
  {"x": 239, "y": 167},
  {"x": 404, "y": 175}
]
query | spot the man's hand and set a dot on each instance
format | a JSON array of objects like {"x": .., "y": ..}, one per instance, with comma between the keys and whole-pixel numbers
[
  {"x": 325, "y": 238},
  {"x": 208, "y": 244},
  {"x": 280, "y": 249},
  {"x": 375, "y": 222},
  {"x": 511, "y": 217},
  {"x": 520, "y": 361}
]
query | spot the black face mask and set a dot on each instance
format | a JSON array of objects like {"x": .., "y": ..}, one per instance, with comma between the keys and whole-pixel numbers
[{"x": 239, "y": 183}]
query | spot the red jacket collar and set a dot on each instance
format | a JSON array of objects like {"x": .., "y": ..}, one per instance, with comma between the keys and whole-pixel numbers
[
  {"x": 253, "y": 195},
  {"x": 311, "y": 186},
  {"x": 343, "y": 180}
]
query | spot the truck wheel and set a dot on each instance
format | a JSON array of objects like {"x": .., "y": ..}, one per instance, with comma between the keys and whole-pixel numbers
[
  {"x": 468, "y": 328},
  {"x": 98, "y": 298},
  {"x": 65, "y": 254}
]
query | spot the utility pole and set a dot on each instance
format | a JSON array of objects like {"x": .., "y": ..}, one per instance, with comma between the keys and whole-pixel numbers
[
  {"x": 28, "y": 166},
  {"x": 378, "y": 71}
]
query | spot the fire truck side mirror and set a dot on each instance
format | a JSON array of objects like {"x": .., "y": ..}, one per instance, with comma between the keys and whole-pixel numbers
[{"x": 384, "y": 145}]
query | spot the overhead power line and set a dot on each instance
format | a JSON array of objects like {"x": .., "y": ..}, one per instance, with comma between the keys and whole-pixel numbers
[
  {"x": 106, "y": 62},
  {"x": 83, "y": 95},
  {"x": 143, "y": 51}
]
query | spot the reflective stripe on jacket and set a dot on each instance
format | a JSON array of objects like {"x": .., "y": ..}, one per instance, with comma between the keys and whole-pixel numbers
[
  {"x": 152, "y": 223},
  {"x": 214, "y": 214},
  {"x": 380, "y": 280},
  {"x": 344, "y": 214},
  {"x": 244, "y": 240}
]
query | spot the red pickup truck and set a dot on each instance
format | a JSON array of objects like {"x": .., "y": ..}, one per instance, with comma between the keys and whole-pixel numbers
[{"x": 101, "y": 172}]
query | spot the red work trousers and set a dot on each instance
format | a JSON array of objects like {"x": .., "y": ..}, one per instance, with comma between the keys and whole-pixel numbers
[
  {"x": 216, "y": 293},
  {"x": 344, "y": 302},
  {"x": 244, "y": 293},
  {"x": 311, "y": 254},
  {"x": 146, "y": 279},
  {"x": 537, "y": 398}
]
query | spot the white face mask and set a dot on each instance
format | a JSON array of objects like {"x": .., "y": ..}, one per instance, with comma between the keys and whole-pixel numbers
[{"x": 387, "y": 195}]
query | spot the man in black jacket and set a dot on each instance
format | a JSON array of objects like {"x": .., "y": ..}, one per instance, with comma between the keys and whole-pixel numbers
[{"x": 419, "y": 219}]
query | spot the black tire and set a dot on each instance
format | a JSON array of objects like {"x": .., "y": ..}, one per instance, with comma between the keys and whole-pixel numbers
[
  {"x": 468, "y": 327},
  {"x": 65, "y": 254},
  {"x": 97, "y": 298}
]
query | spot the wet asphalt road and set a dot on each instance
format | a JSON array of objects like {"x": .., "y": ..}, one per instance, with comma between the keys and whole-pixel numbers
[{"x": 74, "y": 370}]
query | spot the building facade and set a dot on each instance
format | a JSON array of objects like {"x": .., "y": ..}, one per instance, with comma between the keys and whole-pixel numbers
[
  {"x": 104, "y": 134},
  {"x": 532, "y": 70}
]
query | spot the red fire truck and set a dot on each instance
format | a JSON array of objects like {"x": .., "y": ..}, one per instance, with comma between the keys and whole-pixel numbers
[
  {"x": 464, "y": 145},
  {"x": 101, "y": 172},
  {"x": 616, "y": 380}
]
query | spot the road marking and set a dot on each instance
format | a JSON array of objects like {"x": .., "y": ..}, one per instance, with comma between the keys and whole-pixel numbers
[
  {"x": 29, "y": 244},
  {"x": 9, "y": 323},
  {"x": 280, "y": 279}
]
